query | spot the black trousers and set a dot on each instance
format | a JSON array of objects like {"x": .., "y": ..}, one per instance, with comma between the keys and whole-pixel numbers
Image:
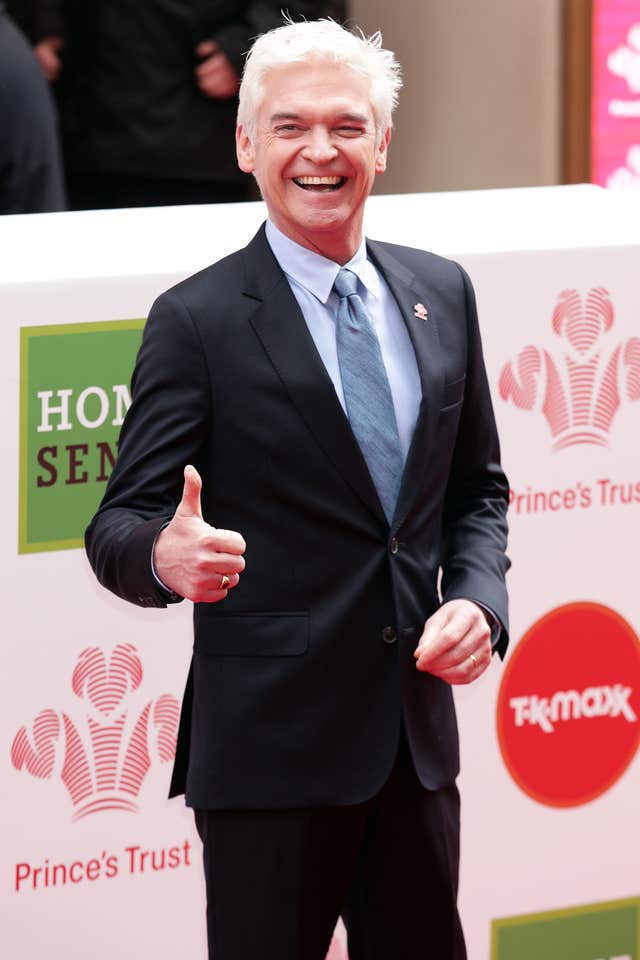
[{"x": 278, "y": 880}]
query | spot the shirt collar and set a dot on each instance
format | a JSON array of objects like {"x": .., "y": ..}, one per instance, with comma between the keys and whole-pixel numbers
[{"x": 314, "y": 272}]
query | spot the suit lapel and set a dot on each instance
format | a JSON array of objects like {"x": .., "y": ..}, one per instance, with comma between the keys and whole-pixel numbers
[
  {"x": 280, "y": 326},
  {"x": 408, "y": 292}
]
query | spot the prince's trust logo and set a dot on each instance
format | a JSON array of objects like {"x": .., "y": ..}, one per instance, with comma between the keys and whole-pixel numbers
[
  {"x": 580, "y": 390},
  {"x": 103, "y": 756}
]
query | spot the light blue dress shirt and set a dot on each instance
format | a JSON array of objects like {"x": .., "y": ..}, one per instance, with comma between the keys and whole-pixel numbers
[{"x": 311, "y": 278}]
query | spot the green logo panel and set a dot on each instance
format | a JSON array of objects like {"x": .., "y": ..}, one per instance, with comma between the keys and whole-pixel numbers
[
  {"x": 74, "y": 392},
  {"x": 600, "y": 931}
]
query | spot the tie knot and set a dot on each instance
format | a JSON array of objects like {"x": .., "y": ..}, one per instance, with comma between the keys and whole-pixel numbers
[{"x": 346, "y": 283}]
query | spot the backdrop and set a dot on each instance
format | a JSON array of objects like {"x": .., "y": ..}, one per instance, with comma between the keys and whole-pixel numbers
[{"x": 94, "y": 859}]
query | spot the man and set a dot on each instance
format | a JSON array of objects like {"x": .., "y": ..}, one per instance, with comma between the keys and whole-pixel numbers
[
  {"x": 147, "y": 92},
  {"x": 338, "y": 421}
]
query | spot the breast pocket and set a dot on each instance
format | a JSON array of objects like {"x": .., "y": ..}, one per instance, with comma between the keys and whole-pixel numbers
[
  {"x": 453, "y": 393},
  {"x": 251, "y": 634}
]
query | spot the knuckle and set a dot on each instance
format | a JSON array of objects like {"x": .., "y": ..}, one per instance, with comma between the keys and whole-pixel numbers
[
  {"x": 203, "y": 563},
  {"x": 209, "y": 541}
]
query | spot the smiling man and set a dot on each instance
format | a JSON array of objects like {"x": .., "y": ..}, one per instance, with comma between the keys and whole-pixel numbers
[
  {"x": 315, "y": 151},
  {"x": 316, "y": 404}
]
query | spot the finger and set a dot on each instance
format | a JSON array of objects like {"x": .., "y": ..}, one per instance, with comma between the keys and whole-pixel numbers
[
  {"x": 229, "y": 580},
  {"x": 476, "y": 643},
  {"x": 210, "y": 564},
  {"x": 225, "y": 541},
  {"x": 443, "y": 631},
  {"x": 461, "y": 636},
  {"x": 190, "y": 505},
  {"x": 208, "y": 596},
  {"x": 431, "y": 631},
  {"x": 206, "y": 47},
  {"x": 222, "y": 581},
  {"x": 215, "y": 589},
  {"x": 213, "y": 65},
  {"x": 232, "y": 580},
  {"x": 218, "y": 90},
  {"x": 47, "y": 65},
  {"x": 465, "y": 672},
  {"x": 454, "y": 621},
  {"x": 475, "y": 638}
]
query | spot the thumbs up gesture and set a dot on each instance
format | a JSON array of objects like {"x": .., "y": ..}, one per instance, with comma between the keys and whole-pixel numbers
[{"x": 191, "y": 557}]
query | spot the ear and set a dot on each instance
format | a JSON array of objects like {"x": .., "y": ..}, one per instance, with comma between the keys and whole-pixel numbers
[
  {"x": 244, "y": 150},
  {"x": 381, "y": 151}
]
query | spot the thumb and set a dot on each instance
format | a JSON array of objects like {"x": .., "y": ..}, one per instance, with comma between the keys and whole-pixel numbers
[{"x": 189, "y": 506}]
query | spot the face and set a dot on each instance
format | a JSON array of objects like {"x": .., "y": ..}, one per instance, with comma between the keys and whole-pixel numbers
[{"x": 315, "y": 154}]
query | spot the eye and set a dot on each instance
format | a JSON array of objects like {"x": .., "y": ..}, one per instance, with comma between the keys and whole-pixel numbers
[
  {"x": 288, "y": 129},
  {"x": 350, "y": 131}
]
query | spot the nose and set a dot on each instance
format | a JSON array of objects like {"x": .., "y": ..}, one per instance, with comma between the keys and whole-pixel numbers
[{"x": 319, "y": 148}]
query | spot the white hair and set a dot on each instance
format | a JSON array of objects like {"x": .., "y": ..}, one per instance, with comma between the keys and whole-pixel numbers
[{"x": 326, "y": 40}]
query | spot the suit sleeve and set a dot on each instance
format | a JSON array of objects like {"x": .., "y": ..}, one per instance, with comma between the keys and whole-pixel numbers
[
  {"x": 165, "y": 428},
  {"x": 474, "y": 562}
]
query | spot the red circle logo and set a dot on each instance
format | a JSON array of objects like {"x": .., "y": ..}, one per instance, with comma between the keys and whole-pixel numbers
[{"x": 569, "y": 705}]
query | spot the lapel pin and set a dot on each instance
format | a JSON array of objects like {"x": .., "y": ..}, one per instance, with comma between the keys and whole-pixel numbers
[{"x": 420, "y": 311}]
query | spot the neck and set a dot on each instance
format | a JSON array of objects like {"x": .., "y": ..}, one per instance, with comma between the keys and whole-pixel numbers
[{"x": 339, "y": 247}]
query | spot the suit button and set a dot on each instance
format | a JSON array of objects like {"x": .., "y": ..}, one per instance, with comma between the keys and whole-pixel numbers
[
  {"x": 389, "y": 635},
  {"x": 394, "y": 546}
]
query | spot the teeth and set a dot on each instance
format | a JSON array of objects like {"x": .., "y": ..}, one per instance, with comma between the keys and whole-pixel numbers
[{"x": 318, "y": 181}]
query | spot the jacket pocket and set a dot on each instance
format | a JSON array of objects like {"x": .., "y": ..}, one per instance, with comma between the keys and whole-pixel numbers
[
  {"x": 453, "y": 393},
  {"x": 251, "y": 634}
]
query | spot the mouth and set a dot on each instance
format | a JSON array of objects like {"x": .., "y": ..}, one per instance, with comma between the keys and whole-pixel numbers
[{"x": 320, "y": 184}]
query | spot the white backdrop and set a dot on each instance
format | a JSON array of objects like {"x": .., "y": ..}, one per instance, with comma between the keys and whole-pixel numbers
[{"x": 80, "y": 886}]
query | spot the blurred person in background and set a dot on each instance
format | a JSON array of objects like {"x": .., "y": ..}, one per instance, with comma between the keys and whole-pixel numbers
[
  {"x": 147, "y": 92},
  {"x": 31, "y": 179}
]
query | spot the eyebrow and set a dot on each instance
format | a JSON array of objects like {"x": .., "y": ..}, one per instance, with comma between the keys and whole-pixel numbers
[{"x": 352, "y": 117}]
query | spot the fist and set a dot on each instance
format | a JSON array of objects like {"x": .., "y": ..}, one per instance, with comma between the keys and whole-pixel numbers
[
  {"x": 456, "y": 642},
  {"x": 196, "y": 560},
  {"x": 215, "y": 75}
]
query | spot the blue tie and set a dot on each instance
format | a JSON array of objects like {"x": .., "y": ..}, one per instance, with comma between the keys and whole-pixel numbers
[{"x": 367, "y": 392}]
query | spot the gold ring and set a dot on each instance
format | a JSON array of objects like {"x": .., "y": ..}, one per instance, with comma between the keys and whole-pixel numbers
[
  {"x": 224, "y": 582},
  {"x": 475, "y": 659}
]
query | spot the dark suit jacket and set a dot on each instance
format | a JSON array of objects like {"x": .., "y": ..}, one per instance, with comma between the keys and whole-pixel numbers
[{"x": 301, "y": 676}]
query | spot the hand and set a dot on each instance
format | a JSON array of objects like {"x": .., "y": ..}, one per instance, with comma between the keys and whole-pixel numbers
[
  {"x": 190, "y": 556},
  {"x": 450, "y": 637},
  {"x": 47, "y": 54},
  {"x": 216, "y": 76}
]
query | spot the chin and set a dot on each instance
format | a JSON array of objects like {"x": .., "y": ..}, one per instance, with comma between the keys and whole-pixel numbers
[{"x": 326, "y": 220}]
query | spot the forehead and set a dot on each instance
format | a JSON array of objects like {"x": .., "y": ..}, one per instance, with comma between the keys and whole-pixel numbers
[{"x": 316, "y": 87}]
